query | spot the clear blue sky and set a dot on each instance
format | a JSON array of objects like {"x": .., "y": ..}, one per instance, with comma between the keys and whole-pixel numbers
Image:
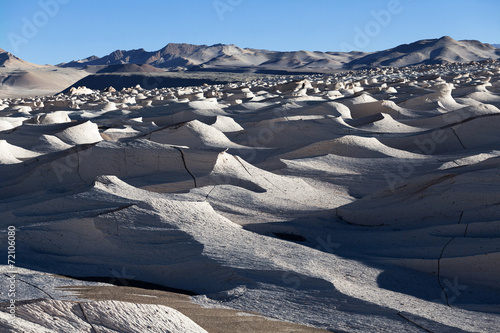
[{"x": 80, "y": 28}]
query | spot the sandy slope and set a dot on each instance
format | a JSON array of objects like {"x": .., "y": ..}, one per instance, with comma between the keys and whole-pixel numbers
[
  {"x": 39, "y": 81},
  {"x": 357, "y": 202}
]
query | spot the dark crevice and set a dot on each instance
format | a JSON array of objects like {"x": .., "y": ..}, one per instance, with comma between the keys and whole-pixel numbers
[
  {"x": 237, "y": 158},
  {"x": 274, "y": 185},
  {"x": 439, "y": 262},
  {"x": 468, "y": 119},
  {"x": 78, "y": 167},
  {"x": 208, "y": 194},
  {"x": 414, "y": 323},
  {"x": 86, "y": 318},
  {"x": 461, "y": 143},
  {"x": 34, "y": 286},
  {"x": 244, "y": 167},
  {"x": 114, "y": 210},
  {"x": 439, "y": 271},
  {"x": 186, "y": 167},
  {"x": 466, "y": 228}
]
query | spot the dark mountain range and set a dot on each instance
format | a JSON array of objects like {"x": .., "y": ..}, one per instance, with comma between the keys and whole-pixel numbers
[{"x": 232, "y": 57}]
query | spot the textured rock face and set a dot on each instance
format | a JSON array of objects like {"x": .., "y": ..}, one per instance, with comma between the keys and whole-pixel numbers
[{"x": 105, "y": 316}]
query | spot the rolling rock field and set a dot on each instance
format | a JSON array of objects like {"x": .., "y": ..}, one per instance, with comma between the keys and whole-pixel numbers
[{"x": 363, "y": 201}]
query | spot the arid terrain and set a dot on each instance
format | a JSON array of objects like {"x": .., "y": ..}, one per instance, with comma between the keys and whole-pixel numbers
[{"x": 363, "y": 196}]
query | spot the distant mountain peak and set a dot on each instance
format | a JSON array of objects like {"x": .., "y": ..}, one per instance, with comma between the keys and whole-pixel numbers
[
  {"x": 9, "y": 60},
  {"x": 224, "y": 57},
  {"x": 447, "y": 38},
  {"x": 428, "y": 52}
]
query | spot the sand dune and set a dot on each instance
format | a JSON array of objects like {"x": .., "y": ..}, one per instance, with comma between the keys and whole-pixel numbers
[
  {"x": 362, "y": 201},
  {"x": 42, "y": 80}
]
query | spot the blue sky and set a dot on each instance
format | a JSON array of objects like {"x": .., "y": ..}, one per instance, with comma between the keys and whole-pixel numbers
[{"x": 54, "y": 31}]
